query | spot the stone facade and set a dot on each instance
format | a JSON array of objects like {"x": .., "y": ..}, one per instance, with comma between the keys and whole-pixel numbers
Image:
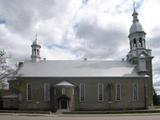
[{"x": 91, "y": 102}]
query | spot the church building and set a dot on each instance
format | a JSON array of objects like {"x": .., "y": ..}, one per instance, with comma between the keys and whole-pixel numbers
[{"x": 75, "y": 85}]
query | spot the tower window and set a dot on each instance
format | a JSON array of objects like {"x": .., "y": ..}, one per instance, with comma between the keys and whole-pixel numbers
[
  {"x": 34, "y": 51},
  {"x": 140, "y": 42},
  {"x": 37, "y": 52},
  {"x": 134, "y": 43}
]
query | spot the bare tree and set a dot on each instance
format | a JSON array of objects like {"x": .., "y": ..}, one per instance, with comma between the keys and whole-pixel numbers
[{"x": 6, "y": 71}]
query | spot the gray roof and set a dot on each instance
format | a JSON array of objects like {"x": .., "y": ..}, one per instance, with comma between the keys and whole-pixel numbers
[
  {"x": 136, "y": 27},
  {"x": 77, "y": 68}
]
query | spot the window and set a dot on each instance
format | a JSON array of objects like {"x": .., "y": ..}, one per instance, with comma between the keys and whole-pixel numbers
[
  {"x": 82, "y": 92},
  {"x": 109, "y": 95},
  {"x": 63, "y": 91},
  {"x": 134, "y": 43},
  {"x": 29, "y": 92},
  {"x": 140, "y": 42},
  {"x": 118, "y": 92},
  {"x": 46, "y": 92},
  {"x": 34, "y": 51},
  {"x": 37, "y": 51},
  {"x": 135, "y": 92},
  {"x": 100, "y": 92}
]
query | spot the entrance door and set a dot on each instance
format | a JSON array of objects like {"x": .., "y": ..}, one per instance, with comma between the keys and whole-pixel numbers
[{"x": 63, "y": 103}]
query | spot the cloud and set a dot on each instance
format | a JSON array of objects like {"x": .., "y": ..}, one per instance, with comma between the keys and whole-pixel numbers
[
  {"x": 157, "y": 83},
  {"x": 73, "y": 29},
  {"x": 24, "y": 19},
  {"x": 98, "y": 42}
]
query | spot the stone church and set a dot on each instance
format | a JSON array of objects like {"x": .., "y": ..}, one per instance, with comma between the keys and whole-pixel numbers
[{"x": 87, "y": 84}]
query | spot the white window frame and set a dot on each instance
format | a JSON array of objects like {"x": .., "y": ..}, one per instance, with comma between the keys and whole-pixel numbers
[
  {"x": 116, "y": 95},
  {"x": 133, "y": 92},
  {"x": 63, "y": 91},
  {"x": 98, "y": 97},
  {"x": 27, "y": 91},
  {"x": 46, "y": 90},
  {"x": 80, "y": 90}
]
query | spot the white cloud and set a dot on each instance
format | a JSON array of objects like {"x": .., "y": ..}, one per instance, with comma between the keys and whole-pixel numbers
[{"x": 64, "y": 26}]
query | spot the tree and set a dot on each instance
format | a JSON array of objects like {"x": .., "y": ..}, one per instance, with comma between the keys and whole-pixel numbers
[{"x": 6, "y": 72}]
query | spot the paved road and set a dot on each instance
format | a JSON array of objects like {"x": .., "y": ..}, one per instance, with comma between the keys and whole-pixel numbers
[{"x": 80, "y": 117}]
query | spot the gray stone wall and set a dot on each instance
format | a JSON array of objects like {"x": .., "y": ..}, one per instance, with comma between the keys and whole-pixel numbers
[{"x": 91, "y": 94}]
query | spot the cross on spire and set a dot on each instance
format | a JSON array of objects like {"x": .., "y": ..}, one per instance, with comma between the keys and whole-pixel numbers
[{"x": 134, "y": 5}]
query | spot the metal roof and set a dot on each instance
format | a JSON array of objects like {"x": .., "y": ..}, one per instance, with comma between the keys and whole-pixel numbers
[
  {"x": 136, "y": 27},
  {"x": 77, "y": 68}
]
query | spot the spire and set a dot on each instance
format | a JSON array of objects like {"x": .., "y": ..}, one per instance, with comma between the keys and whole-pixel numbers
[
  {"x": 134, "y": 5},
  {"x": 135, "y": 14},
  {"x": 35, "y": 42},
  {"x": 35, "y": 50},
  {"x": 136, "y": 26}
]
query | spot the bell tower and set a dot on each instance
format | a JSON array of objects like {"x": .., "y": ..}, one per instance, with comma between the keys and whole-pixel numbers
[
  {"x": 137, "y": 40},
  {"x": 35, "y": 50},
  {"x": 140, "y": 56}
]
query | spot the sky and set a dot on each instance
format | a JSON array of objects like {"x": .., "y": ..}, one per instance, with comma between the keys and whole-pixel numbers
[{"x": 77, "y": 29}]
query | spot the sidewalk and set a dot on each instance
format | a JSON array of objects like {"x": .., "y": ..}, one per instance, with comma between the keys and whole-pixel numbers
[
  {"x": 48, "y": 113},
  {"x": 157, "y": 110},
  {"x": 25, "y": 113}
]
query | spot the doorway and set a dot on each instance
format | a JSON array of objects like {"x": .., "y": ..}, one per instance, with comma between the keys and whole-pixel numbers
[{"x": 63, "y": 102}]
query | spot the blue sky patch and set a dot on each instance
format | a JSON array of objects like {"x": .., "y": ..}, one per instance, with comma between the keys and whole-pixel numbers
[
  {"x": 51, "y": 46},
  {"x": 139, "y": 4},
  {"x": 2, "y": 21}
]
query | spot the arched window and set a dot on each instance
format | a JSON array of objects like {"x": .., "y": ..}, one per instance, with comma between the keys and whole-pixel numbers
[
  {"x": 118, "y": 92},
  {"x": 46, "y": 92},
  {"x": 37, "y": 52},
  {"x": 29, "y": 91},
  {"x": 109, "y": 92},
  {"x": 135, "y": 91},
  {"x": 140, "y": 42},
  {"x": 34, "y": 51},
  {"x": 100, "y": 92},
  {"x": 82, "y": 92},
  {"x": 134, "y": 43}
]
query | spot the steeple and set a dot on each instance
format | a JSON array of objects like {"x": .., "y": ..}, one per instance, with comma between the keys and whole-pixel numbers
[
  {"x": 135, "y": 16},
  {"x": 136, "y": 33},
  {"x": 35, "y": 50},
  {"x": 136, "y": 26},
  {"x": 137, "y": 40}
]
